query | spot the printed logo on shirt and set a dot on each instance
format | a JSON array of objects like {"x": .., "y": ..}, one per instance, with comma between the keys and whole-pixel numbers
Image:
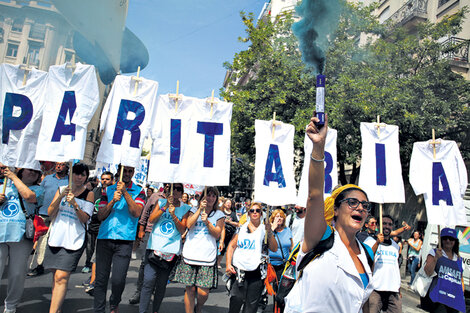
[
  {"x": 246, "y": 244},
  {"x": 167, "y": 228},
  {"x": 10, "y": 209}
]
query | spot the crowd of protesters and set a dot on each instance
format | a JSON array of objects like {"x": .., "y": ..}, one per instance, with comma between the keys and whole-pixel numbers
[{"x": 182, "y": 238}]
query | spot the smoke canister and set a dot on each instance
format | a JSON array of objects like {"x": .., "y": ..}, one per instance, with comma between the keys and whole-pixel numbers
[{"x": 320, "y": 100}]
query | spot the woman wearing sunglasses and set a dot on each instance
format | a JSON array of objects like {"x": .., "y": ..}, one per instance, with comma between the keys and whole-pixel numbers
[
  {"x": 198, "y": 270},
  {"x": 169, "y": 222},
  {"x": 446, "y": 290},
  {"x": 244, "y": 260},
  {"x": 338, "y": 280}
]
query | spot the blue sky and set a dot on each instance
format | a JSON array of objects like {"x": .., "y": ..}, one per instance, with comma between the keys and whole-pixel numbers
[{"x": 189, "y": 40}]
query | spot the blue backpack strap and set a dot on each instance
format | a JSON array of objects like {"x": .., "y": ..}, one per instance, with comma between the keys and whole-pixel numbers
[{"x": 369, "y": 254}]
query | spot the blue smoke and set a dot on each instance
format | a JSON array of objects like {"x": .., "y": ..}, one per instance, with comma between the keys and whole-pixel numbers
[{"x": 319, "y": 20}]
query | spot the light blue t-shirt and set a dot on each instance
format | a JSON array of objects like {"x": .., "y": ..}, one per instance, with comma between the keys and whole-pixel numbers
[
  {"x": 12, "y": 218},
  {"x": 51, "y": 183},
  {"x": 283, "y": 240},
  {"x": 165, "y": 237},
  {"x": 120, "y": 224}
]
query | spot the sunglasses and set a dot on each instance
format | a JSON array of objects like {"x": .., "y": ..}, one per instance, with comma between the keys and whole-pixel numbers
[
  {"x": 354, "y": 204},
  {"x": 448, "y": 238},
  {"x": 255, "y": 211}
]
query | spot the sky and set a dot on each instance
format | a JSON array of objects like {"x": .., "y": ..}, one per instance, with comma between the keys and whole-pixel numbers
[{"x": 189, "y": 41}]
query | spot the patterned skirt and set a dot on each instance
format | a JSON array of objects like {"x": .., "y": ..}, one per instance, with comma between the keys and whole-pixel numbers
[{"x": 196, "y": 275}]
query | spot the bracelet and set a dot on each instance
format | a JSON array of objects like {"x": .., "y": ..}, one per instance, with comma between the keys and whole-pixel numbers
[{"x": 321, "y": 160}]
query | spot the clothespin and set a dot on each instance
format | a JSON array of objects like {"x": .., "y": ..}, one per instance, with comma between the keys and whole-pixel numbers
[
  {"x": 434, "y": 142},
  {"x": 137, "y": 79},
  {"x": 378, "y": 125},
  {"x": 275, "y": 123},
  {"x": 211, "y": 101},
  {"x": 26, "y": 69},
  {"x": 72, "y": 64},
  {"x": 177, "y": 97}
]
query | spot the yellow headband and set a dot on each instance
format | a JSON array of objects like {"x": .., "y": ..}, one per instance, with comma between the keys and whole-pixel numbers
[{"x": 330, "y": 201}]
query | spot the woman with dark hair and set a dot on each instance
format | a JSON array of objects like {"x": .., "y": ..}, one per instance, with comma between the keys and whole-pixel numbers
[
  {"x": 414, "y": 247},
  {"x": 230, "y": 227},
  {"x": 185, "y": 198},
  {"x": 244, "y": 257},
  {"x": 70, "y": 211},
  {"x": 339, "y": 278},
  {"x": 446, "y": 290},
  {"x": 198, "y": 270},
  {"x": 21, "y": 199}
]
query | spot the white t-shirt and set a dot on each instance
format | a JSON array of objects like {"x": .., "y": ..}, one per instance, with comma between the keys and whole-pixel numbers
[
  {"x": 66, "y": 230},
  {"x": 21, "y": 148},
  {"x": 330, "y": 283},
  {"x": 200, "y": 247},
  {"x": 386, "y": 275},
  {"x": 297, "y": 228},
  {"x": 391, "y": 189},
  {"x": 449, "y": 159},
  {"x": 80, "y": 86},
  {"x": 247, "y": 255}
]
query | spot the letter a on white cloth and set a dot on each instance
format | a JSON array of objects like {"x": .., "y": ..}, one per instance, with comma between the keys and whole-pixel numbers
[
  {"x": 331, "y": 168},
  {"x": 170, "y": 134},
  {"x": 442, "y": 181},
  {"x": 70, "y": 100},
  {"x": 126, "y": 120},
  {"x": 274, "y": 165},
  {"x": 20, "y": 115},
  {"x": 380, "y": 175},
  {"x": 206, "y": 158}
]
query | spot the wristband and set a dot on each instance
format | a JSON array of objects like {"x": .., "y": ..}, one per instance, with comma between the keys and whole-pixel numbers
[{"x": 321, "y": 160}]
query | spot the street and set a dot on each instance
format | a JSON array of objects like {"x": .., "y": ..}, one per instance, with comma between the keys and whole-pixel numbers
[{"x": 37, "y": 295}]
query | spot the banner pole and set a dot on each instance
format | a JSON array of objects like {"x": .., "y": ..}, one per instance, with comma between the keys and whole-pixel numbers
[
  {"x": 70, "y": 174},
  {"x": 439, "y": 236},
  {"x": 266, "y": 222},
  {"x": 380, "y": 216},
  {"x": 120, "y": 174},
  {"x": 5, "y": 181}
]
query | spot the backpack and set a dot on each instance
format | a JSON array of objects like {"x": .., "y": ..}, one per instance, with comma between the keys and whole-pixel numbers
[{"x": 288, "y": 277}]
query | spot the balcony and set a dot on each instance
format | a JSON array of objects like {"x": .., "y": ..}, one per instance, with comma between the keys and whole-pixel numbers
[
  {"x": 456, "y": 49},
  {"x": 410, "y": 14},
  {"x": 37, "y": 32}
]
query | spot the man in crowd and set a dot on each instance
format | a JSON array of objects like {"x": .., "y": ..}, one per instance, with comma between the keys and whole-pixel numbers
[
  {"x": 120, "y": 209},
  {"x": 386, "y": 277},
  {"x": 370, "y": 229},
  {"x": 145, "y": 228},
  {"x": 295, "y": 222},
  {"x": 50, "y": 184},
  {"x": 94, "y": 225}
]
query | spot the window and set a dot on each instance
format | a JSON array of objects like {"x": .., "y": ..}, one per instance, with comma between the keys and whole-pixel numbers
[
  {"x": 37, "y": 31},
  {"x": 12, "y": 50},
  {"x": 17, "y": 25},
  {"x": 68, "y": 56},
  {"x": 33, "y": 53},
  {"x": 442, "y": 2}
]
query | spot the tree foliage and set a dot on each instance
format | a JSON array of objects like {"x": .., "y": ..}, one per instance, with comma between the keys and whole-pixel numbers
[{"x": 391, "y": 72}]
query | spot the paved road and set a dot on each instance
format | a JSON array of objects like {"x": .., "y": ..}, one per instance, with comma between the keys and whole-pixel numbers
[{"x": 37, "y": 295}]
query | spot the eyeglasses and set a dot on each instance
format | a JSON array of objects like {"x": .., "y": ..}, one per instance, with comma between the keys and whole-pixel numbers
[
  {"x": 255, "y": 211},
  {"x": 354, "y": 204},
  {"x": 178, "y": 188}
]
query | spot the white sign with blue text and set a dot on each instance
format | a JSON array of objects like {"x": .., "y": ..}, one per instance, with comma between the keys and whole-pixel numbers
[
  {"x": 274, "y": 165},
  {"x": 126, "y": 119},
  {"x": 441, "y": 180},
  {"x": 20, "y": 115},
  {"x": 331, "y": 168},
  {"x": 380, "y": 174},
  {"x": 70, "y": 101}
]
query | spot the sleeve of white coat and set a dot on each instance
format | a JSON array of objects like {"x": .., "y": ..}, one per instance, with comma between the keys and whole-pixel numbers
[
  {"x": 415, "y": 171},
  {"x": 89, "y": 99},
  {"x": 462, "y": 170}
]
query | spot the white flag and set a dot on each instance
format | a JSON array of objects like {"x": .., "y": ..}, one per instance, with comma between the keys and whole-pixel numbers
[
  {"x": 206, "y": 160},
  {"x": 331, "y": 168},
  {"x": 126, "y": 120},
  {"x": 441, "y": 180},
  {"x": 21, "y": 114},
  {"x": 170, "y": 134},
  {"x": 274, "y": 165},
  {"x": 380, "y": 174},
  {"x": 70, "y": 101}
]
